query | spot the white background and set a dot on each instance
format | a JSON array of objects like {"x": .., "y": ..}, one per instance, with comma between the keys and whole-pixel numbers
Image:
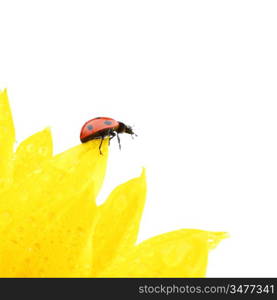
[{"x": 198, "y": 81}]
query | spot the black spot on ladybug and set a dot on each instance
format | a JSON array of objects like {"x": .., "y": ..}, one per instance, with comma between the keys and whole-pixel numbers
[
  {"x": 89, "y": 127},
  {"x": 108, "y": 122}
]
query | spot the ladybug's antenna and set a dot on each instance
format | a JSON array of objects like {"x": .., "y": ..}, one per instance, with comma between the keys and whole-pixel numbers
[{"x": 134, "y": 134}]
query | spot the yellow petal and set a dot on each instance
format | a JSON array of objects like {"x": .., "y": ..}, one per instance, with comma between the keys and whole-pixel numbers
[
  {"x": 51, "y": 242},
  {"x": 181, "y": 253},
  {"x": 52, "y": 213},
  {"x": 60, "y": 177},
  {"x": 32, "y": 152},
  {"x": 7, "y": 139},
  {"x": 119, "y": 217}
]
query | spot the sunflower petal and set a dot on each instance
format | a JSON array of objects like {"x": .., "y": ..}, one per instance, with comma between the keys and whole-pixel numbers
[
  {"x": 32, "y": 152},
  {"x": 119, "y": 217},
  {"x": 60, "y": 177},
  {"x": 181, "y": 253},
  {"x": 52, "y": 213},
  {"x": 7, "y": 139},
  {"x": 51, "y": 242}
]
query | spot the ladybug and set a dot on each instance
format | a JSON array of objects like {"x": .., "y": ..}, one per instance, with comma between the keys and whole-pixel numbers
[{"x": 102, "y": 127}]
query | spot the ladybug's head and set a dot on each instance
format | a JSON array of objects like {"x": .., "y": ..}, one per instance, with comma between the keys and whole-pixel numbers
[
  {"x": 125, "y": 128},
  {"x": 129, "y": 130}
]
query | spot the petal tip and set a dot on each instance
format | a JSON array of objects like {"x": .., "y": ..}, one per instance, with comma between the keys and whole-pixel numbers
[
  {"x": 215, "y": 238},
  {"x": 4, "y": 94},
  {"x": 143, "y": 172},
  {"x": 47, "y": 131},
  {"x": 4, "y": 91}
]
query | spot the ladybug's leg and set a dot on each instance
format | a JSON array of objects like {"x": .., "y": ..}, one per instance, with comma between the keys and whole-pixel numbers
[
  {"x": 102, "y": 138},
  {"x": 111, "y": 136},
  {"x": 118, "y": 139}
]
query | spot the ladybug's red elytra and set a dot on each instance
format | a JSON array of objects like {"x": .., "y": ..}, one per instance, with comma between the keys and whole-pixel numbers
[{"x": 102, "y": 127}]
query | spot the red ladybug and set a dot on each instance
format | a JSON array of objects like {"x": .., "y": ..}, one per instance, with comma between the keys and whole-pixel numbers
[{"x": 101, "y": 127}]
